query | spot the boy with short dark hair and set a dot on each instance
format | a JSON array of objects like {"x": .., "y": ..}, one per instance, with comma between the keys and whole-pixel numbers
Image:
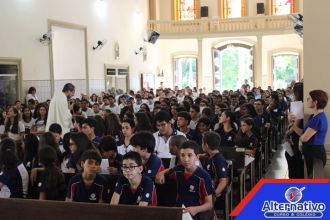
[
  {"x": 144, "y": 143},
  {"x": 88, "y": 186},
  {"x": 133, "y": 188},
  {"x": 109, "y": 151},
  {"x": 194, "y": 186},
  {"x": 88, "y": 128},
  {"x": 215, "y": 164}
]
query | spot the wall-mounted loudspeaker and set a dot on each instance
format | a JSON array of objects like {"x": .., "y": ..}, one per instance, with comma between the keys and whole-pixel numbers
[
  {"x": 204, "y": 11},
  {"x": 260, "y": 8}
]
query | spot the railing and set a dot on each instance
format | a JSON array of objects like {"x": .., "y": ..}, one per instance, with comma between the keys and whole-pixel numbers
[{"x": 229, "y": 25}]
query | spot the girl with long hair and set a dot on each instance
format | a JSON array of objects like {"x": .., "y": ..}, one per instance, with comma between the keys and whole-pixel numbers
[{"x": 51, "y": 182}]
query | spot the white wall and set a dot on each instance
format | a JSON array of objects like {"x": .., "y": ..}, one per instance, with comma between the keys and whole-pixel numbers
[
  {"x": 317, "y": 50},
  {"x": 22, "y": 22}
]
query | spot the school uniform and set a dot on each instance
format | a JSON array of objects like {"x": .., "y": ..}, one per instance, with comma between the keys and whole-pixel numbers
[
  {"x": 78, "y": 192},
  {"x": 192, "y": 189},
  {"x": 145, "y": 192},
  {"x": 162, "y": 145},
  {"x": 15, "y": 183},
  {"x": 153, "y": 166},
  {"x": 96, "y": 142},
  {"x": 56, "y": 193},
  {"x": 191, "y": 135},
  {"x": 227, "y": 139},
  {"x": 217, "y": 167},
  {"x": 122, "y": 149}
]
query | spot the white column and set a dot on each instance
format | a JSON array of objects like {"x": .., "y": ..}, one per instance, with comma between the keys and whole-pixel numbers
[
  {"x": 257, "y": 62},
  {"x": 200, "y": 64}
]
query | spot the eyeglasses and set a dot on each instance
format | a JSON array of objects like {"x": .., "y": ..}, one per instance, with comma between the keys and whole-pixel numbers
[{"x": 128, "y": 168}]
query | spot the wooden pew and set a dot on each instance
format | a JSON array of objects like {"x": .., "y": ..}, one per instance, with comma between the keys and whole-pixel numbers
[{"x": 17, "y": 209}]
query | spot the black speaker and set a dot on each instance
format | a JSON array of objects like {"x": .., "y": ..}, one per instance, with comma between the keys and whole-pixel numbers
[
  {"x": 204, "y": 11},
  {"x": 260, "y": 8},
  {"x": 153, "y": 37}
]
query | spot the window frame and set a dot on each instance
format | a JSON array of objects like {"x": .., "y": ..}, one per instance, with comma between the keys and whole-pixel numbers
[
  {"x": 185, "y": 55},
  {"x": 272, "y": 7},
  {"x": 224, "y": 10}
]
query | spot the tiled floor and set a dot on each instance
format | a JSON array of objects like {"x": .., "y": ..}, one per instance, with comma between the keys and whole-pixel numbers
[{"x": 278, "y": 168}]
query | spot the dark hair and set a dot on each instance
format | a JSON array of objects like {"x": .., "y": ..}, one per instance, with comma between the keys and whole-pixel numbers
[
  {"x": 54, "y": 185},
  {"x": 90, "y": 122},
  {"x": 185, "y": 115},
  {"x": 83, "y": 144},
  {"x": 162, "y": 115},
  {"x": 31, "y": 89},
  {"x": 91, "y": 155},
  {"x": 99, "y": 130},
  {"x": 133, "y": 156},
  {"x": 250, "y": 108},
  {"x": 47, "y": 156},
  {"x": 14, "y": 128},
  {"x": 204, "y": 120},
  {"x": 108, "y": 143},
  {"x": 79, "y": 120},
  {"x": 248, "y": 121},
  {"x": 23, "y": 115},
  {"x": 55, "y": 128},
  {"x": 177, "y": 140},
  {"x": 68, "y": 87},
  {"x": 207, "y": 111},
  {"x": 260, "y": 100},
  {"x": 190, "y": 145},
  {"x": 143, "y": 122},
  {"x": 37, "y": 115},
  {"x": 321, "y": 97},
  {"x": 31, "y": 146},
  {"x": 212, "y": 139},
  {"x": 130, "y": 122},
  {"x": 196, "y": 108},
  {"x": 8, "y": 157},
  {"x": 145, "y": 140},
  {"x": 298, "y": 91},
  {"x": 112, "y": 125},
  {"x": 232, "y": 118}
]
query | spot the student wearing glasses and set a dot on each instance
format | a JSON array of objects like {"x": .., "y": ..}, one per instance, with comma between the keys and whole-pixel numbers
[{"x": 134, "y": 188}]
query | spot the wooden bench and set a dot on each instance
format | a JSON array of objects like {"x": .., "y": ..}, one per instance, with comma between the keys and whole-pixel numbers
[{"x": 17, "y": 209}]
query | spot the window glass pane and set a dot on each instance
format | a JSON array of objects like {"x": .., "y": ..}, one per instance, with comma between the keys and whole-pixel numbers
[
  {"x": 233, "y": 8},
  {"x": 285, "y": 69},
  {"x": 282, "y": 7},
  {"x": 186, "y": 9},
  {"x": 8, "y": 93},
  {"x": 185, "y": 72},
  {"x": 233, "y": 65}
]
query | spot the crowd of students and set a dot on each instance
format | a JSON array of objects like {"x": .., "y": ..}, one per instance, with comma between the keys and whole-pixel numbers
[{"x": 133, "y": 132}]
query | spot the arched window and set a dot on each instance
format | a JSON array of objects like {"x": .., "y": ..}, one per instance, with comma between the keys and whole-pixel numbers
[
  {"x": 282, "y": 7},
  {"x": 185, "y": 9},
  {"x": 232, "y": 65},
  {"x": 185, "y": 71},
  {"x": 285, "y": 69},
  {"x": 232, "y": 8}
]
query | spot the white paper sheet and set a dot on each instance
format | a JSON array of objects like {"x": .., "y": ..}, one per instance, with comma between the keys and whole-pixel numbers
[
  {"x": 297, "y": 109},
  {"x": 287, "y": 146},
  {"x": 248, "y": 160},
  {"x": 186, "y": 215},
  {"x": 104, "y": 166}
]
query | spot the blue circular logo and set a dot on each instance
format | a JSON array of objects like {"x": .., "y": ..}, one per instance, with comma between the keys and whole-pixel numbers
[{"x": 293, "y": 194}]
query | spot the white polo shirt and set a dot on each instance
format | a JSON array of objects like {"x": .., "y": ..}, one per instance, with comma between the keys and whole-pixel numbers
[{"x": 162, "y": 148}]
